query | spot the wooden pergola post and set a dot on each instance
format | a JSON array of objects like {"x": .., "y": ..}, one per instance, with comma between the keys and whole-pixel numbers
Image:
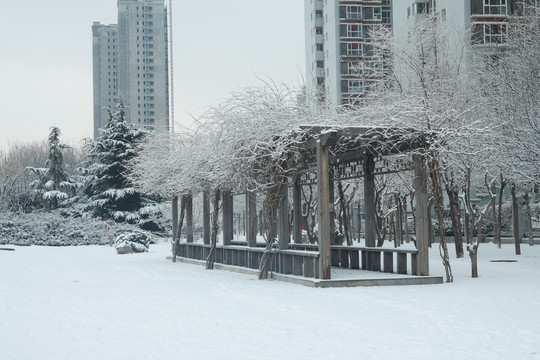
[
  {"x": 189, "y": 219},
  {"x": 227, "y": 217},
  {"x": 297, "y": 212},
  {"x": 206, "y": 218},
  {"x": 251, "y": 209},
  {"x": 323, "y": 211},
  {"x": 422, "y": 214},
  {"x": 231, "y": 216},
  {"x": 283, "y": 219},
  {"x": 373, "y": 263},
  {"x": 174, "y": 217}
]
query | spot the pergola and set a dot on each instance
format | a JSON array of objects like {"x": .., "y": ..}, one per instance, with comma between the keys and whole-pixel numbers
[{"x": 329, "y": 154}]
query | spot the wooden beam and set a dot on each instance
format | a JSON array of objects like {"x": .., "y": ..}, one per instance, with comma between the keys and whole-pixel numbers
[
  {"x": 231, "y": 216},
  {"x": 251, "y": 210},
  {"x": 206, "y": 218},
  {"x": 297, "y": 212},
  {"x": 283, "y": 219},
  {"x": 369, "y": 203},
  {"x": 227, "y": 217},
  {"x": 422, "y": 214},
  {"x": 174, "y": 217},
  {"x": 189, "y": 219},
  {"x": 323, "y": 190}
]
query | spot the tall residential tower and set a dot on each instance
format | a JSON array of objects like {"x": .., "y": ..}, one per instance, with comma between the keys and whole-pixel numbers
[
  {"x": 131, "y": 62},
  {"x": 337, "y": 38}
]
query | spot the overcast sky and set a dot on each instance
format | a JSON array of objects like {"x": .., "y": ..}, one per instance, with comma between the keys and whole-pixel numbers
[{"x": 219, "y": 46}]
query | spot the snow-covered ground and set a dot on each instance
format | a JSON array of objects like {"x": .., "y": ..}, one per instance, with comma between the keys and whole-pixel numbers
[{"x": 90, "y": 303}]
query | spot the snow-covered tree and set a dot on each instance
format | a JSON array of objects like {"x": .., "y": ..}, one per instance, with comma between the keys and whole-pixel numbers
[
  {"x": 512, "y": 86},
  {"x": 53, "y": 183},
  {"x": 111, "y": 193}
]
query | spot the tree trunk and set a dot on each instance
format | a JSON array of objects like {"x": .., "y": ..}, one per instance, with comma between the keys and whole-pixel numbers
[
  {"x": 271, "y": 205},
  {"x": 494, "y": 209},
  {"x": 515, "y": 218},
  {"x": 405, "y": 219},
  {"x": 470, "y": 225},
  {"x": 453, "y": 198},
  {"x": 344, "y": 221},
  {"x": 436, "y": 181},
  {"x": 473, "y": 249},
  {"x": 183, "y": 202},
  {"x": 473, "y": 254},
  {"x": 213, "y": 237}
]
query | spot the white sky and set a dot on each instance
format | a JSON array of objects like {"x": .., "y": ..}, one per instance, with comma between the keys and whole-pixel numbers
[{"x": 220, "y": 46}]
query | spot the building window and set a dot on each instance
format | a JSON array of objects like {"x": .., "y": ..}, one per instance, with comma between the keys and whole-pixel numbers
[
  {"x": 354, "y": 68},
  {"x": 355, "y": 86},
  {"x": 318, "y": 14},
  {"x": 367, "y": 13},
  {"x": 320, "y": 64},
  {"x": 377, "y": 13},
  {"x": 494, "y": 7},
  {"x": 320, "y": 81},
  {"x": 420, "y": 8},
  {"x": 319, "y": 30},
  {"x": 354, "y": 49},
  {"x": 320, "y": 47},
  {"x": 386, "y": 17},
  {"x": 354, "y": 12},
  {"x": 495, "y": 33},
  {"x": 354, "y": 30}
]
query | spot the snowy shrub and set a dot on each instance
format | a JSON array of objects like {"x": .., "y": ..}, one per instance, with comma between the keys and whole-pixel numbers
[
  {"x": 55, "y": 229},
  {"x": 132, "y": 242}
]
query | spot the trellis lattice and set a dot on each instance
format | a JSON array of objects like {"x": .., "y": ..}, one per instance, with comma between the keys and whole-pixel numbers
[{"x": 355, "y": 169}]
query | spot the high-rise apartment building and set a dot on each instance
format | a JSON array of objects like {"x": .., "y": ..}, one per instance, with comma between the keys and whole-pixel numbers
[
  {"x": 486, "y": 19},
  {"x": 337, "y": 38},
  {"x": 105, "y": 69},
  {"x": 131, "y": 62}
]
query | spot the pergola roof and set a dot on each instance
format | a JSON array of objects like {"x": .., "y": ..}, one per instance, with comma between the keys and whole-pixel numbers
[{"x": 351, "y": 144}]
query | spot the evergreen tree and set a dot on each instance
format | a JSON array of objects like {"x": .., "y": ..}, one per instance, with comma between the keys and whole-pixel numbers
[
  {"x": 53, "y": 184},
  {"x": 112, "y": 195}
]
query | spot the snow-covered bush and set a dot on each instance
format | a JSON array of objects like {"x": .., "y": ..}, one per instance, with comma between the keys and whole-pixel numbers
[
  {"x": 52, "y": 228},
  {"x": 132, "y": 242}
]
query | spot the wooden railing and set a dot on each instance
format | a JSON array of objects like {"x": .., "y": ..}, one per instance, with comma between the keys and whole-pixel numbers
[
  {"x": 356, "y": 257},
  {"x": 303, "y": 259},
  {"x": 295, "y": 262}
]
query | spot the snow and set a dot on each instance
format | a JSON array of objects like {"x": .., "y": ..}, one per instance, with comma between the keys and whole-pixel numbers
[{"x": 87, "y": 302}]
